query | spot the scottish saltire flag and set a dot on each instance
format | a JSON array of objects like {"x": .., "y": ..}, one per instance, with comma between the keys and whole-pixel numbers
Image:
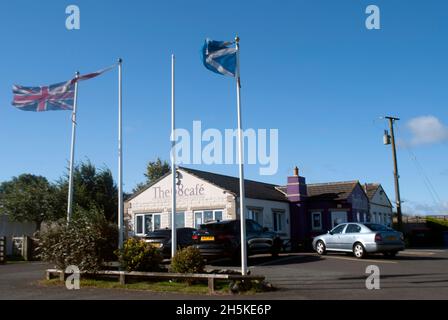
[
  {"x": 220, "y": 57},
  {"x": 58, "y": 96}
]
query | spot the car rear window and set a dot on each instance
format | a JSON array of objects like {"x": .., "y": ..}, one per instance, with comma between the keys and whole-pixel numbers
[
  {"x": 377, "y": 227},
  {"x": 219, "y": 227}
]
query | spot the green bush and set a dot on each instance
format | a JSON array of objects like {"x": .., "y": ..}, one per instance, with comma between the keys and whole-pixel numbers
[
  {"x": 137, "y": 255},
  {"x": 87, "y": 242},
  {"x": 188, "y": 260}
]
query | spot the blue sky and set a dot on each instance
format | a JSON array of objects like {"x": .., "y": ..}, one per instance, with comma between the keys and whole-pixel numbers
[{"x": 309, "y": 68}]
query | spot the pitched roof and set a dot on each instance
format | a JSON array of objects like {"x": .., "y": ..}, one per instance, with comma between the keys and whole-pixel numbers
[
  {"x": 331, "y": 190},
  {"x": 253, "y": 189},
  {"x": 370, "y": 189}
]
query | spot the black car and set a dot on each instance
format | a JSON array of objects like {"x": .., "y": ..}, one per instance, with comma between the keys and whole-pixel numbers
[
  {"x": 161, "y": 239},
  {"x": 222, "y": 239}
]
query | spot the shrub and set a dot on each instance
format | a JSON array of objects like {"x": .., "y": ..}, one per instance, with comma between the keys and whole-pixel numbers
[
  {"x": 86, "y": 242},
  {"x": 138, "y": 255},
  {"x": 188, "y": 260}
]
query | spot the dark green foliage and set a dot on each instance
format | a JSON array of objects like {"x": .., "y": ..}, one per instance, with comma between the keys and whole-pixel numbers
[
  {"x": 137, "y": 255},
  {"x": 188, "y": 260},
  {"x": 93, "y": 189},
  {"x": 30, "y": 198},
  {"x": 87, "y": 242}
]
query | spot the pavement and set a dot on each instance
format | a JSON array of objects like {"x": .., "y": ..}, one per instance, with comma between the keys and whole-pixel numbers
[{"x": 413, "y": 274}]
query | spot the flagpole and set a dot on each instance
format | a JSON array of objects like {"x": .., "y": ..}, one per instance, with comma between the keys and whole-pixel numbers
[
  {"x": 72, "y": 154},
  {"x": 241, "y": 163},
  {"x": 173, "y": 162},
  {"x": 120, "y": 159}
]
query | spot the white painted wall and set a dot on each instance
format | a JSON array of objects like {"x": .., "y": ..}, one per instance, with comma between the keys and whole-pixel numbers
[
  {"x": 380, "y": 208},
  {"x": 192, "y": 195},
  {"x": 268, "y": 208},
  {"x": 200, "y": 195}
]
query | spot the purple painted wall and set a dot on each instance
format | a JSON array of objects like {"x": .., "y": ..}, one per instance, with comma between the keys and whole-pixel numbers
[{"x": 301, "y": 208}]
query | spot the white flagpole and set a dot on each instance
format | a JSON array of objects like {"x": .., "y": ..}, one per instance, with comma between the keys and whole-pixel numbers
[
  {"x": 173, "y": 162},
  {"x": 241, "y": 164},
  {"x": 120, "y": 160},
  {"x": 72, "y": 154}
]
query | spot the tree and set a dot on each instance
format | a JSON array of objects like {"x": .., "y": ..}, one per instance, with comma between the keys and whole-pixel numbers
[
  {"x": 154, "y": 170},
  {"x": 92, "y": 189},
  {"x": 30, "y": 198}
]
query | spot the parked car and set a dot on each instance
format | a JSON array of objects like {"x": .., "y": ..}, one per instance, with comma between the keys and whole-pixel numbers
[
  {"x": 161, "y": 239},
  {"x": 361, "y": 239},
  {"x": 223, "y": 239}
]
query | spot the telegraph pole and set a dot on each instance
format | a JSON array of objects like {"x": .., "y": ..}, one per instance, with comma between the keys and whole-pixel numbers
[{"x": 391, "y": 140}]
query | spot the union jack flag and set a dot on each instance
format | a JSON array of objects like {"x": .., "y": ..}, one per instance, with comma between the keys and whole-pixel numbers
[{"x": 58, "y": 96}]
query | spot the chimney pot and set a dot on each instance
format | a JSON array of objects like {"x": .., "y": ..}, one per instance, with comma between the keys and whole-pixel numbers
[{"x": 296, "y": 172}]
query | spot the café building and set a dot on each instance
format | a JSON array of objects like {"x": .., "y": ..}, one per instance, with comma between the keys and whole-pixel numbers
[{"x": 297, "y": 211}]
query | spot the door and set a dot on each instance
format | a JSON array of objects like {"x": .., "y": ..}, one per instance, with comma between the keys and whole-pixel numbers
[
  {"x": 333, "y": 239},
  {"x": 349, "y": 237}
]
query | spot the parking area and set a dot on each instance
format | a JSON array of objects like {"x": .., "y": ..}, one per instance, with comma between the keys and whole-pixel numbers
[{"x": 413, "y": 274}]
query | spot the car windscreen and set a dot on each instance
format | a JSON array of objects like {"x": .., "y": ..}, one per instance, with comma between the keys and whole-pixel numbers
[{"x": 377, "y": 227}]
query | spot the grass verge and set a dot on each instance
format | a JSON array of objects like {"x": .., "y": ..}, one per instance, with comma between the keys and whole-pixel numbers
[{"x": 159, "y": 286}]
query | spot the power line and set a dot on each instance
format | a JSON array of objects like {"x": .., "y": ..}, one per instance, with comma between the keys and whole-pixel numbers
[{"x": 427, "y": 181}]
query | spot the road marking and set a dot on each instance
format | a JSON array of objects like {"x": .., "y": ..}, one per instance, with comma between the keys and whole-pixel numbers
[{"x": 361, "y": 260}]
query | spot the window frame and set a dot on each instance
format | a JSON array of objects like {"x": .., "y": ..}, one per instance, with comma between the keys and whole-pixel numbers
[
  {"x": 352, "y": 224},
  {"x": 143, "y": 215},
  {"x": 279, "y": 215},
  {"x": 202, "y": 212},
  {"x": 259, "y": 213},
  {"x": 313, "y": 227}
]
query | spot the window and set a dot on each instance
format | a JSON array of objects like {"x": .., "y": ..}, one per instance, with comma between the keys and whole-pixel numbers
[
  {"x": 256, "y": 215},
  {"x": 202, "y": 217},
  {"x": 139, "y": 224},
  {"x": 208, "y": 216},
  {"x": 157, "y": 222},
  {"x": 316, "y": 221},
  {"x": 279, "y": 220},
  {"x": 180, "y": 220},
  {"x": 197, "y": 219},
  {"x": 146, "y": 223},
  {"x": 353, "y": 228},
  {"x": 218, "y": 215},
  {"x": 338, "y": 229}
]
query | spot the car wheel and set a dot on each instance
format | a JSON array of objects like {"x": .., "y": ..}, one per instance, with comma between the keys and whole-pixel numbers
[
  {"x": 359, "y": 251},
  {"x": 320, "y": 248}
]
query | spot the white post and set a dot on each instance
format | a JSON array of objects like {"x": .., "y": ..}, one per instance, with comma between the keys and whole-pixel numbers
[
  {"x": 173, "y": 163},
  {"x": 241, "y": 164},
  {"x": 120, "y": 160},
  {"x": 72, "y": 154}
]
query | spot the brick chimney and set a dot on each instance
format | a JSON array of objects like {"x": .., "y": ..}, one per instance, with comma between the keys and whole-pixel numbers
[{"x": 296, "y": 187}]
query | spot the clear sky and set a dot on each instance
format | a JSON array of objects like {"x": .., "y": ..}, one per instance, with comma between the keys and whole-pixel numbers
[{"x": 309, "y": 68}]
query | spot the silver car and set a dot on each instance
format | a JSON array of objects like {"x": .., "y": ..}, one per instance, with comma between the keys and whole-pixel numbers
[{"x": 361, "y": 239}]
